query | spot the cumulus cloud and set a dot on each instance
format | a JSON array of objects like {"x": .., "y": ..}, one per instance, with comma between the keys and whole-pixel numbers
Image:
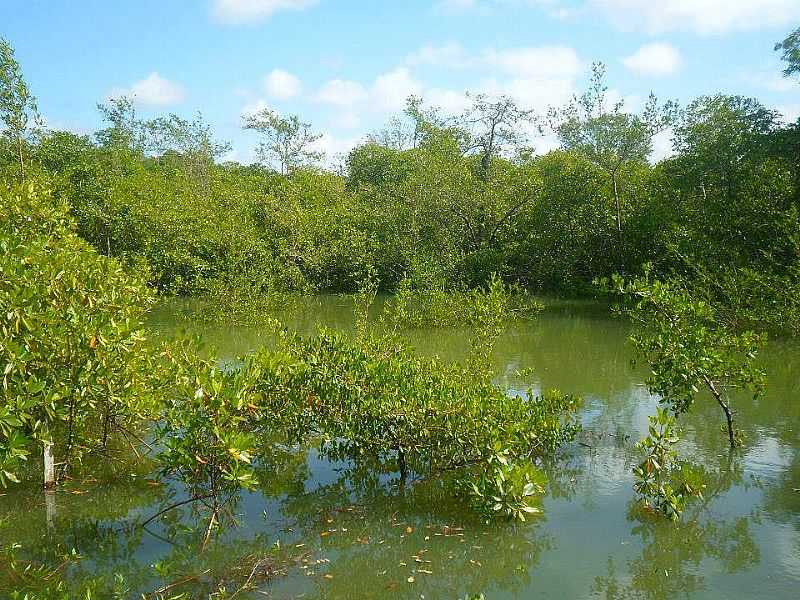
[
  {"x": 531, "y": 93},
  {"x": 451, "y": 55},
  {"x": 153, "y": 90},
  {"x": 771, "y": 80},
  {"x": 451, "y": 102},
  {"x": 242, "y": 12},
  {"x": 536, "y": 62},
  {"x": 455, "y": 6},
  {"x": 662, "y": 146},
  {"x": 391, "y": 89},
  {"x": 553, "y": 8},
  {"x": 654, "y": 59},
  {"x": 334, "y": 146},
  {"x": 790, "y": 112},
  {"x": 255, "y": 106},
  {"x": 282, "y": 85},
  {"x": 342, "y": 92},
  {"x": 529, "y": 61},
  {"x": 387, "y": 93},
  {"x": 699, "y": 16},
  {"x": 535, "y": 76}
]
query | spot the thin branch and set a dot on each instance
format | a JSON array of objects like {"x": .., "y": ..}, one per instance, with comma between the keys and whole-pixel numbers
[{"x": 176, "y": 505}]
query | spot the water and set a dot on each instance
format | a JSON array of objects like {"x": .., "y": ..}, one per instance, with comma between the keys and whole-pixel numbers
[{"x": 350, "y": 535}]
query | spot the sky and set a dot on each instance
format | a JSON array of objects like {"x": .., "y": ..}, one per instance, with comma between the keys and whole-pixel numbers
[{"x": 347, "y": 66}]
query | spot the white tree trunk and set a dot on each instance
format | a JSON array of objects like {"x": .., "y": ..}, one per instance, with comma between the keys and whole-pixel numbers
[
  {"x": 50, "y": 508},
  {"x": 49, "y": 466}
]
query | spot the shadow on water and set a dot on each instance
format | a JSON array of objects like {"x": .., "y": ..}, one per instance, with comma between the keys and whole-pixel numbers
[{"x": 347, "y": 532}]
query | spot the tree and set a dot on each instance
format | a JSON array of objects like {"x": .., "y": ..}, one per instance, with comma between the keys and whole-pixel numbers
[
  {"x": 736, "y": 196},
  {"x": 126, "y": 130},
  {"x": 72, "y": 352},
  {"x": 791, "y": 52},
  {"x": 288, "y": 141},
  {"x": 493, "y": 127},
  {"x": 18, "y": 110},
  {"x": 689, "y": 346},
  {"x": 192, "y": 141},
  {"x": 608, "y": 136}
]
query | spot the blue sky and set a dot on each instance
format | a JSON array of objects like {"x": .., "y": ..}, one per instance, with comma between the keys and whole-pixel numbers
[{"x": 347, "y": 65}]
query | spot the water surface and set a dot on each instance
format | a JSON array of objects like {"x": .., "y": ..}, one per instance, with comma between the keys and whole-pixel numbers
[{"x": 348, "y": 534}]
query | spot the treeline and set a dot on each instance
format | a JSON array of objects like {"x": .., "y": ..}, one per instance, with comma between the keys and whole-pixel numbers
[{"x": 444, "y": 202}]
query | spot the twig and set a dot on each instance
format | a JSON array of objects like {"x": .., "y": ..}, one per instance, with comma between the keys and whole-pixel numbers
[
  {"x": 176, "y": 505},
  {"x": 249, "y": 579}
]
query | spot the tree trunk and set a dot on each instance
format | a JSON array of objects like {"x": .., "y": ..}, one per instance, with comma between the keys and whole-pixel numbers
[
  {"x": 401, "y": 463},
  {"x": 49, "y": 466},
  {"x": 21, "y": 159},
  {"x": 616, "y": 201},
  {"x": 725, "y": 408},
  {"x": 51, "y": 510}
]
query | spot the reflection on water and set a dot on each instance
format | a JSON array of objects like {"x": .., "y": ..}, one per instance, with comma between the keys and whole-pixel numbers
[{"x": 347, "y": 532}]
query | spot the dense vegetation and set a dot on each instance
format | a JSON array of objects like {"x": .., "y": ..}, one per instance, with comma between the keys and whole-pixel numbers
[
  {"x": 442, "y": 201},
  {"x": 455, "y": 214}
]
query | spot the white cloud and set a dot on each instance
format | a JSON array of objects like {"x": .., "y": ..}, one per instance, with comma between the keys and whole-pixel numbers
[
  {"x": 450, "y": 101},
  {"x": 654, "y": 59},
  {"x": 451, "y": 55},
  {"x": 772, "y": 81},
  {"x": 333, "y": 145},
  {"x": 790, "y": 112},
  {"x": 455, "y": 6},
  {"x": 282, "y": 85},
  {"x": 552, "y": 8},
  {"x": 536, "y": 62},
  {"x": 531, "y": 93},
  {"x": 255, "y": 106},
  {"x": 699, "y": 16},
  {"x": 347, "y": 120},
  {"x": 153, "y": 90},
  {"x": 387, "y": 93},
  {"x": 536, "y": 77},
  {"x": 342, "y": 92},
  {"x": 240, "y": 12},
  {"x": 391, "y": 89},
  {"x": 528, "y": 61},
  {"x": 662, "y": 146}
]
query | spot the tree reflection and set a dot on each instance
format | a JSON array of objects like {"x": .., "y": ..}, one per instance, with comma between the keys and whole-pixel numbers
[
  {"x": 368, "y": 536},
  {"x": 672, "y": 553}
]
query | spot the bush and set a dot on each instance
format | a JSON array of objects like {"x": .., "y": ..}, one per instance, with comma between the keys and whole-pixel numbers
[{"x": 71, "y": 341}]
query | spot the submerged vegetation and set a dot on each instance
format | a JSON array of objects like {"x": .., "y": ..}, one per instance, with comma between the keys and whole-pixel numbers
[{"x": 455, "y": 217}]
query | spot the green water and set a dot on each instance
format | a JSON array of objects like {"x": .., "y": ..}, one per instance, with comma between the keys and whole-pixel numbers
[{"x": 348, "y": 535}]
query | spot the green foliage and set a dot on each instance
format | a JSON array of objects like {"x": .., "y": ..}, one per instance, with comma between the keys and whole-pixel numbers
[
  {"x": 445, "y": 202},
  {"x": 507, "y": 490},
  {"x": 610, "y": 137},
  {"x": 71, "y": 339},
  {"x": 288, "y": 142},
  {"x": 689, "y": 345},
  {"x": 663, "y": 485},
  {"x": 203, "y": 425},
  {"x": 374, "y": 398},
  {"x": 18, "y": 111},
  {"x": 436, "y": 307},
  {"x": 34, "y": 581},
  {"x": 790, "y": 52}
]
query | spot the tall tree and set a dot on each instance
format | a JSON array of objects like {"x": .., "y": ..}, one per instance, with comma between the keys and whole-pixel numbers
[
  {"x": 606, "y": 134},
  {"x": 493, "y": 126},
  {"x": 126, "y": 130},
  {"x": 790, "y": 48},
  {"x": 288, "y": 141},
  {"x": 192, "y": 141},
  {"x": 18, "y": 111}
]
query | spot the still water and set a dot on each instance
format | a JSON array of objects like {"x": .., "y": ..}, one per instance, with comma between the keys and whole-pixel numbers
[{"x": 347, "y": 535}]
